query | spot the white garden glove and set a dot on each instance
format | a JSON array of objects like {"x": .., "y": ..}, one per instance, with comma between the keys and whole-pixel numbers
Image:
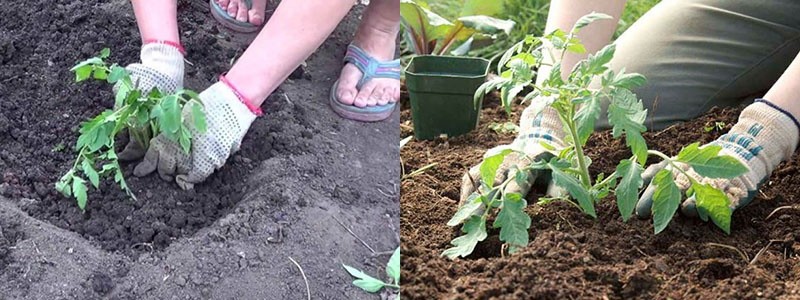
[
  {"x": 545, "y": 127},
  {"x": 764, "y": 136},
  {"x": 227, "y": 118},
  {"x": 161, "y": 67}
]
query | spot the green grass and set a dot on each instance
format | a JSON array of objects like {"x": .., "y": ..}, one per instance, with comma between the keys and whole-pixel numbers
[{"x": 530, "y": 16}]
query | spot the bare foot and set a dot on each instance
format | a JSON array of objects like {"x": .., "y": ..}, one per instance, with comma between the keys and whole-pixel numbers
[
  {"x": 238, "y": 9},
  {"x": 377, "y": 36}
]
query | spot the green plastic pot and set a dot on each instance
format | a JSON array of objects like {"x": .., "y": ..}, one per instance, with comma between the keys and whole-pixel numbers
[{"x": 441, "y": 90}]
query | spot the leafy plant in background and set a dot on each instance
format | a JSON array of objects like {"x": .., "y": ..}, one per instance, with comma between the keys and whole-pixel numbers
[
  {"x": 143, "y": 113},
  {"x": 372, "y": 284},
  {"x": 426, "y": 32},
  {"x": 578, "y": 107}
]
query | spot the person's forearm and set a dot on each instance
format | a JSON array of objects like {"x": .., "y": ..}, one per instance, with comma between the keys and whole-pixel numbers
[
  {"x": 564, "y": 13},
  {"x": 784, "y": 92},
  {"x": 157, "y": 19}
]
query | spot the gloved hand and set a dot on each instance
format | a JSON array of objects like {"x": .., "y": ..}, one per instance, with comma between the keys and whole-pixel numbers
[
  {"x": 227, "y": 119},
  {"x": 162, "y": 68},
  {"x": 546, "y": 127},
  {"x": 764, "y": 136}
]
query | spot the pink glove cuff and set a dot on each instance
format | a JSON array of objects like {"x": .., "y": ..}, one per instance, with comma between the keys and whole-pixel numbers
[
  {"x": 176, "y": 45},
  {"x": 246, "y": 101}
]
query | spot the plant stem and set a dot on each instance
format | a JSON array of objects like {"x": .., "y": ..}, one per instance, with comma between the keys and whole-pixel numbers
[
  {"x": 586, "y": 180},
  {"x": 606, "y": 180}
]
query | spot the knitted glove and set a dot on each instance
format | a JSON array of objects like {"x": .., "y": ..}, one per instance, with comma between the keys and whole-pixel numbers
[
  {"x": 161, "y": 67},
  {"x": 227, "y": 118},
  {"x": 544, "y": 127},
  {"x": 764, "y": 136}
]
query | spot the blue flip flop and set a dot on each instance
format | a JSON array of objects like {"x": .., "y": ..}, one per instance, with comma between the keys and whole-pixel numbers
[
  {"x": 221, "y": 14},
  {"x": 371, "y": 68}
]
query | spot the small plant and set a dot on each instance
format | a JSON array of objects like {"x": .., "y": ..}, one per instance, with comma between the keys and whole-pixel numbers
[
  {"x": 504, "y": 128},
  {"x": 372, "y": 284},
  {"x": 403, "y": 175},
  {"x": 143, "y": 113},
  {"x": 717, "y": 125},
  {"x": 58, "y": 147},
  {"x": 578, "y": 107},
  {"x": 429, "y": 33}
]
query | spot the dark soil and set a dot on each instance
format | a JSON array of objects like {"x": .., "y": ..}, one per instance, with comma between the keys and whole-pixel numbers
[
  {"x": 300, "y": 171},
  {"x": 572, "y": 256}
]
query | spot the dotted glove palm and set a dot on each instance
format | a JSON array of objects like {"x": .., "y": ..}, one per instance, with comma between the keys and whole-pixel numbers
[
  {"x": 534, "y": 129},
  {"x": 227, "y": 118},
  {"x": 161, "y": 67},
  {"x": 764, "y": 136}
]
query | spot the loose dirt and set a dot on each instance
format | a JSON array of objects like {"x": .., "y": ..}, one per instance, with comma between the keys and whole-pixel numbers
[
  {"x": 301, "y": 171},
  {"x": 572, "y": 256}
]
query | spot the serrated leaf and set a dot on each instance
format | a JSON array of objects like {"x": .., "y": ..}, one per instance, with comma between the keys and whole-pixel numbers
[
  {"x": 629, "y": 80},
  {"x": 121, "y": 95},
  {"x": 91, "y": 173},
  {"x": 626, "y": 114},
  {"x": 170, "y": 121},
  {"x": 707, "y": 162},
  {"x": 364, "y": 281},
  {"x": 105, "y": 53},
  {"x": 475, "y": 231},
  {"x": 79, "y": 190},
  {"x": 393, "y": 267},
  {"x": 576, "y": 47},
  {"x": 474, "y": 203},
  {"x": 627, "y": 190},
  {"x": 666, "y": 199},
  {"x": 574, "y": 187},
  {"x": 513, "y": 222},
  {"x": 596, "y": 63},
  {"x": 490, "y": 165},
  {"x": 588, "y": 19},
  {"x": 586, "y": 117},
  {"x": 185, "y": 140},
  {"x": 198, "y": 117},
  {"x": 715, "y": 204}
]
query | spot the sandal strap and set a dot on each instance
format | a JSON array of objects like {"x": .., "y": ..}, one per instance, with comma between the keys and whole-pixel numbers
[{"x": 371, "y": 67}]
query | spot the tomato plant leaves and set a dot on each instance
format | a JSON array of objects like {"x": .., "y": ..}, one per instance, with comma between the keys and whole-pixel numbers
[
  {"x": 364, "y": 281},
  {"x": 513, "y": 222},
  {"x": 666, "y": 199},
  {"x": 473, "y": 204},
  {"x": 627, "y": 191},
  {"x": 713, "y": 203},
  {"x": 626, "y": 114},
  {"x": 707, "y": 162},
  {"x": 490, "y": 165},
  {"x": 586, "y": 117},
  {"x": 588, "y": 19},
  {"x": 474, "y": 231},
  {"x": 79, "y": 190},
  {"x": 571, "y": 184},
  {"x": 393, "y": 266}
]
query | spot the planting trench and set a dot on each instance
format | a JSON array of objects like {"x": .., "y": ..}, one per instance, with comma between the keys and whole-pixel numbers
[
  {"x": 571, "y": 255},
  {"x": 301, "y": 172}
]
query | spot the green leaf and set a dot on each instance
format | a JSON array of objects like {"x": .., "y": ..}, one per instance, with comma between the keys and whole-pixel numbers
[
  {"x": 364, "y": 281},
  {"x": 481, "y": 7},
  {"x": 475, "y": 231},
  {"x": 588, "y": 19},
  {"x": 490, "y": 165},
  {"x": 199, "y": 117},
  {"x": 707, "y": 162},
  {"x": 422, "y": 26},
  {"x": 574, "y": 187},
  {"x": 626, "y": 114},
  {"x": 122, "y": 94},
  {"x": 393, "y": 267},
  {"x": 170, "y": 121},
  {"x": 100, "y": 73},
  {"x": 105, "y": 53},
  {"x": 82, "y": 73},
  {"x": 629, "y": 80},
  {"x": 185, "y": 140},
  {"x": 596, "y": 63},
  {"x": 586, "y": 117},
  {"x": 487, "y": 24},
  {"x": 713, "y": 202},
  {"x": 473, "y": 204},
  {"x": 628, "y": 189},
  {"x": 79, "y": 189},
  {"x": 666, "y": 199},
  {"x": 513, "y": 222},
  {"x": 117, "y": 73},
  {"x": 90, "y": 172}
]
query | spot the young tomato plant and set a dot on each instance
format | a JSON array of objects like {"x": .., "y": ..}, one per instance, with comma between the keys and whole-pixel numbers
[
  {"x": 373, "y": 285},
  {"x": 143, "y": 113},
  {"x": 578, "y": 106}
]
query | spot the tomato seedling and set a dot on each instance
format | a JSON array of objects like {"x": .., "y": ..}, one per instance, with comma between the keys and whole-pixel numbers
[
  {"x": 578, "y": 107},
  {"x": 144, "y": 114},
  {"x": 373, "y": 285}
]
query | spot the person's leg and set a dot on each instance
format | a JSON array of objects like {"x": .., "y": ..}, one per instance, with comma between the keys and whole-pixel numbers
[
  {"x": 784, "y": 92},
  {"x": 697, "y": 54},
  {"x": 377, "y": 35},
  {"x": 293, "y": 32},
  {"x": 157, "y": 20}
]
